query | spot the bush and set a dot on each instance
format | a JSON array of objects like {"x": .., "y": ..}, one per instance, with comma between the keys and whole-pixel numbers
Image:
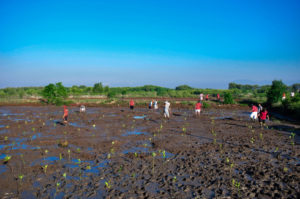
[
  {"x": 111, "y": 94},
  {"x": 275, "y": 92},
  {"x": 55, "y": 93},
  {"x": 206, "y": 105},
  {"x": 228, "y": 98}
]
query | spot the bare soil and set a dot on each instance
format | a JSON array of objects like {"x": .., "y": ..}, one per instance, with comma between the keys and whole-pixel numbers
[{"x": 113, "y": 152}]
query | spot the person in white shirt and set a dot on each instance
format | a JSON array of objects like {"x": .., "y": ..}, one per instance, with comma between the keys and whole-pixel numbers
[{"x": 167, "y": 110}]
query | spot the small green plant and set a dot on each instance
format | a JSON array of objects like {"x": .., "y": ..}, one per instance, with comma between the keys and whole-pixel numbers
[
  {"x": 7, "y": 158},
  {"x": 107, "y": 184},
  {"x": 252, "y": 140},
  {"x": 174, "y": 179},
  {"x": 153, "y": 156},
  {"x": 45, "y": 168},
  {"x": 69, "y": 152}
]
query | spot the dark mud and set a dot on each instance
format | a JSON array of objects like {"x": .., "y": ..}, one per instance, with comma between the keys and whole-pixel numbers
[{"x": 118, "y": 153}]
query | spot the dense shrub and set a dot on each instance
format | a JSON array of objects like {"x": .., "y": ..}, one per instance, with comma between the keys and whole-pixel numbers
[
  {"x": 275, "y": 92},
  {"x": 55, "y": 93},
  {"x": 228, "y": 98}
]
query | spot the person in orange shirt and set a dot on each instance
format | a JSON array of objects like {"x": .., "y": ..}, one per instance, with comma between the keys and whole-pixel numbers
[
  {"x": 131, "y": 104},
  {"x": 218, "y": 97},
  {"x": 206, "y": 97},
  {"x": 66, "y": 113}
]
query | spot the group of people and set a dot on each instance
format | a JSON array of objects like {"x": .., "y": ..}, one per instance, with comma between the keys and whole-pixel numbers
[
  {"x": 201, "y": 97},
  {"x": 260, "y": 113},
  {"x": 82, "y": 109},
  {"x": 154, "y": 105}
]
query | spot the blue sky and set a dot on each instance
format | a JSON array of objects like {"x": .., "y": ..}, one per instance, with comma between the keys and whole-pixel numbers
[{"x": 205, "y": 44}]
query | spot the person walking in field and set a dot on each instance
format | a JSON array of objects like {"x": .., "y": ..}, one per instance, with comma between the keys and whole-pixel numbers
[
  {"x": 218, "y": 97},
  {"x": 65, "y": 116},
  {"x": 150, "y": 104},
  {"x": 82, "y": 109},
  {"x": 283, "y": 96},
  {"x": 131, "y": 104},
  {"x": 155, "y": 105},
  {"x": 260, "y": 108},
  {"x": 253, "y": 115},
  {"x": 201, "y": 96},
  {"x": 167, "y": 109},
  {"x": 263, "y": 115},
  {"x": 206, "y": 97},
  {"x": 198, "y": 108}
]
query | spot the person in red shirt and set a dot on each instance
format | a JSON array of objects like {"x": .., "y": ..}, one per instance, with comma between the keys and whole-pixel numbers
[
  {"x": 253, "y": 114},
  {"x": 66, "y": 113},
  {"x": 263, "y": 115},
  {"x": 131, "y": 104},
  {"x": 198, "y": 108},
  {"x": 218, "y": 97},
  {"x": 206, "y": 97}
]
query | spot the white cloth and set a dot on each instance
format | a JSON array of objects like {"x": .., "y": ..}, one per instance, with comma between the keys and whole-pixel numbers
[{"x": 253, "y": 115}]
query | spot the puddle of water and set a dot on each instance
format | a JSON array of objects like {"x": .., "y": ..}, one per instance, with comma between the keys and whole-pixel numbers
[
  {"x": 136, "y": 150},
  {"x": 3, "y": 131},
  {"x": 44, "y": 161},
  {"x": 38, "y": 135},
  {"x": 223, "y": 118},
  {"x": 2, "y": 156},
  {"x": 139, "y": 117},
  {"x": 2, "y": 126},
  {"x": 3, "y": 169},
  {"x": 134, "y": 133}
]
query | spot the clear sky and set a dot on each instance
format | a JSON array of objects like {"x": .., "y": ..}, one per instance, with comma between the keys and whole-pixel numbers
[{"x": 202, "y": 43}]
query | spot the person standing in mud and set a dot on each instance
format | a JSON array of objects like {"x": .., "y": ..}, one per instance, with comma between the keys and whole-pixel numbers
[
  {"x": 167, "y": 109},
  {"x": 66, "y": 113},
  {"x": 150, "y": 104},
  {"x": 253, "y": 114},
  {"x": 218, "y": 97},
  {"x": 201, "y": 96},
  {"x": 155, "y": 105},
  {"x": 198, "y": 108},
  {"x": 206, "y": 97},
  {"x": 131, "y": 104},
  {"x": 263, "y": 115},
  {"x": 260, "y": 108}
]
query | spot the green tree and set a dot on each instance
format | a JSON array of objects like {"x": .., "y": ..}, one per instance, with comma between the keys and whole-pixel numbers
[
  {"x": 98, "y": 88},
  {"x": 228, "y": 98},
  {"x": 183, "y": 87},
  {"x": 55, "y": 93},
  {"x": 275, "y": 92}
]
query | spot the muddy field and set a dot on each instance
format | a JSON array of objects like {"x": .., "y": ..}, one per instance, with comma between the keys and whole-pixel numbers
[{"x": 118, "y": 153}]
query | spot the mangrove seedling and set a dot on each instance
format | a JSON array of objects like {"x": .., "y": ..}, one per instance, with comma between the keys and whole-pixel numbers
[
  {"x": 276, "y": 149},
  {"x": 5, "y": 138},
  {"x": 261, "y": 136},
  {"x": 21, "y": 177},
  {"x": 285, "y": 169},
  {"x": 135, "y": 154},
  {"x": 107, "y": 184},
  {"x": 252, "y": 140},
  {"x": 65, "y": 175},
  {"x": 174, "y": 179},
  {"x": 88, "y": 167},
  {"x": 6, "y": 159},
  {"x": 45, "y": 168},
  {"x": 153, "y": 156},
  {"x": 69, "y": 152},
  {"x": 60, "y": 156}
]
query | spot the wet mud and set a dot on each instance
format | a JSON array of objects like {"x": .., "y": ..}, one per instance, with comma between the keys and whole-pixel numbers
[{"x": 119, "y": 153}]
